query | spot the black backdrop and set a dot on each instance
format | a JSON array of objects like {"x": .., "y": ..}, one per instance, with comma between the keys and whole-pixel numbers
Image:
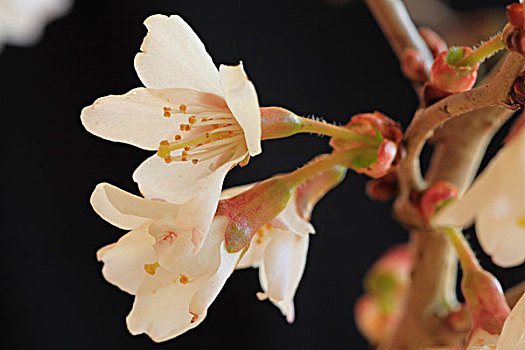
[{"x": 309, "y": 56}]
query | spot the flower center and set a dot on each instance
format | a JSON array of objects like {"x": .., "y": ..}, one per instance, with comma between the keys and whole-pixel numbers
[
  {"x": 201, "y": 139},
  {"x": 521, "y": 220}
]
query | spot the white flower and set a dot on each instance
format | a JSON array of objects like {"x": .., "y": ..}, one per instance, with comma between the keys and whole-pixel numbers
[
  {"x": 513, "y": 333},
  {"x": 202, "y": 121},
  {"x": 173, "y": 287},
  {"x": 496, "y": 202},
  {"x": 22, "y": 21},
  {"x": 279, "y": 250}
]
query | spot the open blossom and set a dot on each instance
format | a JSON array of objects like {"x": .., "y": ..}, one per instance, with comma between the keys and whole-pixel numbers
[
  {"x": 173, "y": 287},
  {"x": 496, "y": 203},
  {"x": 22, "y": 21},
  {"x": 200, "y": 120}
]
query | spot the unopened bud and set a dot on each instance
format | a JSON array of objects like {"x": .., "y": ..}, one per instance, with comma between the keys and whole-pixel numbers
[
  {"x": 448, "y": 76},
  {"x": 434, "y": 42},
  {"x": 384, "y": 188},
  {"x": 514, "y": 39},
  {"x": 277, "y": 122},
  {"x": 436, "y": 197},
  {"x": 413, "y": 65},
  {"x": 516, "y": 15},
  {"x": 387, "y": 132}
]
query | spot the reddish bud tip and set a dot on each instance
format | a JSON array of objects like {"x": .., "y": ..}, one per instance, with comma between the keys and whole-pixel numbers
[
  {"x": 434, "y": 42},
  {"x": 516, "y": 15},
  {"x": 514, "y": 39},
  {"x": 435, "y": 197},
  {"x": 449, "y": 77},
  {"x": 383, "y": 189},
  {"x": 413, "y": 65}
]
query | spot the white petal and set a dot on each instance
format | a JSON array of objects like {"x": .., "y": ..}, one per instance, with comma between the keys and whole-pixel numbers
[
  {"x": 233, "y": 191},
  {"x": 284, "y": 262},
  {"x": 137, "y": 117},
  {"x": 124, "y": 260},
  {"x": 125, "y": 210},
  {"x": 207, "y": 294},
  {"x": 161, "y": 307},
  {"x": 289, "y": 219},
  {"x": 513, "y": 333},
  {"x": 255, "y": 254},
  {"x": 181, "y": 259},
  {"x": 241, "y": 98},
  {"x": 174, "y": 57}
]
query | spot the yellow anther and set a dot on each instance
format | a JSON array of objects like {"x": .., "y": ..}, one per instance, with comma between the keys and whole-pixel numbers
[
  {"x": 194, "y": 161},
  {"x": 192, "y": 119},
  {"x": 177, "y": 137},
  {"x": 183, "y": 108},
  {"x": 183, "y": 279},
  {"x": 151, "y": 268},
  {"x": 521, "y": 220}
]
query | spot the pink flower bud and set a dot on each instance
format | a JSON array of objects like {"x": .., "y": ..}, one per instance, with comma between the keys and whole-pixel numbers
[
  {"x": 373, "y": 324},
  {"x": 378, "y": 125},
  {"x": 383, "y": 189},
  {"x": 435, "y": 197},
  {"x": 514, "y": 39},
  {"x": 277, "y": 122},
  {"x": 413, "y": 65},
  {"x": 434, "y": 42},
  {"x": 447, "y": 76}
]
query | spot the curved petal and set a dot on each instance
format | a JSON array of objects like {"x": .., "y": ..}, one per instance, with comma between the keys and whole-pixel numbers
[
  {"x": 289, "y": 219},
  {"x": 255, "y": 254},
  {"x": 284, "y": 262},
  {"x": 207, "y": 294},
  {"x": 233, "y": 191},
  {"x": 126, "y": 210},
  {"x": 174, "y": 57},
  {"x": 161, "y": 307},
  {"x": 138, "y": 117},
  {"x": 124, "y": 260},
  {"x": 241, "y": 98},
  {"x": 513, "y": 333}
]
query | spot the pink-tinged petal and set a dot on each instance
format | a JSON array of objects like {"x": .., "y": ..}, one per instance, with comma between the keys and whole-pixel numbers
[
  {"x": 179, "y": 257},
  {"x": 241, "y": 98},
  {"x": 174, "y": 57},
  {"x": 145, "y": 117},
  {"x": 207, "y": 294},
  {"x": 124, "y": 260},
  {"x": 161, "y": 307},
  {"x": 513, "y": 333},
  {"x": 284, "y": 262},
  {"x": 289, "y": 219},
  {"x": 125, "y": 210},
  {"x": 233, "y": 191}
]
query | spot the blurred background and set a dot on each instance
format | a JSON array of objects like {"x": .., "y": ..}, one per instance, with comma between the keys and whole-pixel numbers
[{"x": 323, "y": 58}]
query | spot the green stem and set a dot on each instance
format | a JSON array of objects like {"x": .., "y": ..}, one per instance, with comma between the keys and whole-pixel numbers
[
  {"x": 315, "y": 126},
  {"x": 466, "y": 256},
  {"x": 322, "y": 164},
  {"x": 482, "y": 52}
]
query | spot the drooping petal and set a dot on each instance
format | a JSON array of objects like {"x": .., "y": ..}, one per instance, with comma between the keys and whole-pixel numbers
[
  {"x": 284, "y": 262},
  {"x": 124, "y": 260},
  {"x": 144, "y": 117},
  {"x": 289, "y": 219},
  {"x": 125, "y": 210},
  {"x": 173, "y": 56},
  {"x": 513, "y": 333},
  {"x": 241, "y": 98},
  {"x": 255, "y": 254},
  {"x": 161, "y": 307},
  {"x": 207, "y": 294}
]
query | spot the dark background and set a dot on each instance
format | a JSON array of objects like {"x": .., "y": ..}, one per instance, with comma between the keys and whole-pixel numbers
[{"x": 313, "y": 57}]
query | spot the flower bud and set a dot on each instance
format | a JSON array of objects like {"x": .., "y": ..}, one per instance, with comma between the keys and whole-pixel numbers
[
  {"x": 435, "y": 43},
  {"x": 518, "y": 90},
  {"x": 447, "y": 76},
  {"x": 383, "y": 189},
  {"x": 514, "y": 39},
  {"x": 377, "y": 312},
  {"x": 413, "y": 65},
  {"x": 435, "y": 197},
  {"x": 251, "y": 209},
  {"x": 277, "y": 122},
  {"x": 374, "y": 162}
]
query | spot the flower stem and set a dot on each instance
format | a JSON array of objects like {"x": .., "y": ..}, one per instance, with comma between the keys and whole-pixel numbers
[
  {"x": 466, "y": 256},
  {"x": 482, "y": 52},
  {"x": 277, "y": 122}
]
